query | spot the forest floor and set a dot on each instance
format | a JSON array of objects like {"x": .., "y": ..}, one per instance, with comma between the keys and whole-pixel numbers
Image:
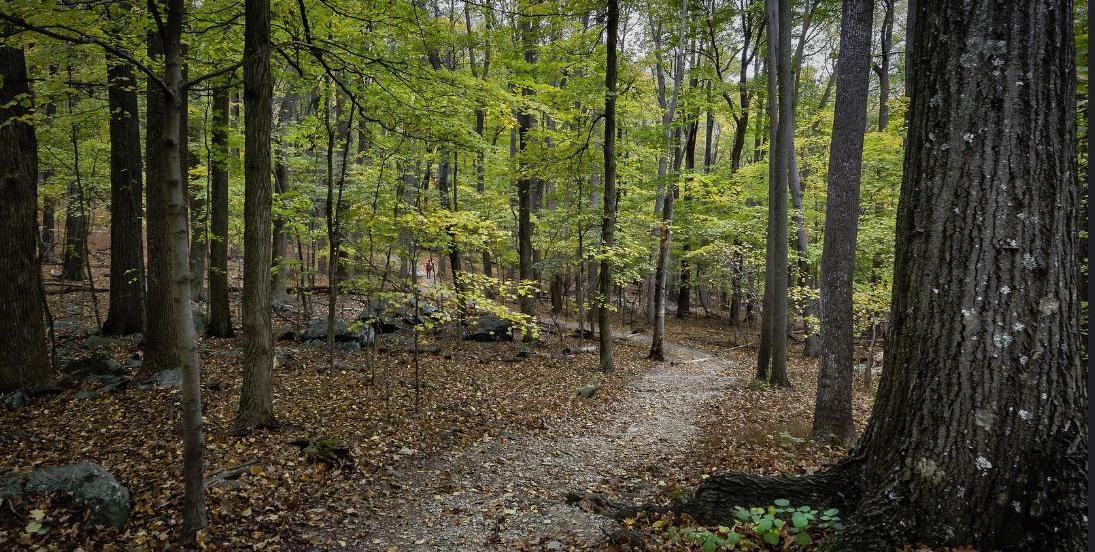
[{"x": 498, "y": 436}]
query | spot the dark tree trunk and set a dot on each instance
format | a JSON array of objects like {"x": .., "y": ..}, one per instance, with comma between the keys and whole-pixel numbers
[
  {"x": 684, "y": 293},
  {"x": 833, "y": 410},
  {"x": 256, "y": 407},
  {"x": 49, "y": 223},
  {"x": 160, "y": 352},
  {"x": 882, "y": 68},
  {"x": 126, "y": 312},
  {"x": 74, "y": 262},
  {"x": 608, "y": 221},
  {"x": 220, "y": 316},
  {"x": 526, "y": 120},
  {"x": 979, "y": 432},
  {"x": 24, "y": 360}
]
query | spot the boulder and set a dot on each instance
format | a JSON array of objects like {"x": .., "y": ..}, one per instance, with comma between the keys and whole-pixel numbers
[
  {"x": 16, "y": 400},
  {"x": 85, "y": 484},
  {"x": 95, "y": 365},
  {"x": 588, "y": 391},
  {"x": 379, "y": 315},
  {"x": 490, "y": 327},
  {"x": 364, "y": 335}
]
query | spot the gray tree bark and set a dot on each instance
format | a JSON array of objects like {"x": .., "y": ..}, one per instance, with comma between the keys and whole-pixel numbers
[
  {"x": 833, "y": 410},
  {"x": 608, "y": 221},
  {"x": 220, "y": 316}
]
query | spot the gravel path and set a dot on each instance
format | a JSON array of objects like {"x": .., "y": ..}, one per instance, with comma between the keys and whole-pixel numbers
[{"x": 507, "y": 492}]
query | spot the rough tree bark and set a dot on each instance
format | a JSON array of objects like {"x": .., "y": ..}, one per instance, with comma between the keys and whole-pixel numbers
[
  {"x": 979, "y": 431},
  {"x": 220, "y": 316},
  {"x": 256, "y": 407},
  {"x": 833, "y": 410},
  {"x": 24, "y": 360},
  {"x": 126, "y": 311},
  {"x": 74, "y": 260},
  {"x": 608, "y": 221},
  {"x": 160, "y": 352}
]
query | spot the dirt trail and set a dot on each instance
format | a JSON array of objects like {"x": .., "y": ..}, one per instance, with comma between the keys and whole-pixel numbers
[{"x": 499, "y": 493}]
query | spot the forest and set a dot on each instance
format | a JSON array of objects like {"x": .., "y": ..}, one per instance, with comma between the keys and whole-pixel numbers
[{"x": 681, "y": 275}]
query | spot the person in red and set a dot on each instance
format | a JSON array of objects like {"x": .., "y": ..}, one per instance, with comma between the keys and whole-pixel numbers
[{"x": 429, "y": 268}]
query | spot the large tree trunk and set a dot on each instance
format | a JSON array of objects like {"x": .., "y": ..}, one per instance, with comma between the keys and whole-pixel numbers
[
  {"x": 24, "y": 360},
  {"x": 220, "y": 316},
  {"x": 979, "y": 431},
  {"x": 257, "y": 396},
  {"x": 608, "y": 221},
  {"x": 684, "y": 292},
  {"x": 160, "y": 352},
  {"x": 833, "y": 410},
  {"x": 126, "y": 312}
]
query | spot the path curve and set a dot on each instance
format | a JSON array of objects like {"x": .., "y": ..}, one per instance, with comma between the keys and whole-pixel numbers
[{"x": 507, "y": 492}]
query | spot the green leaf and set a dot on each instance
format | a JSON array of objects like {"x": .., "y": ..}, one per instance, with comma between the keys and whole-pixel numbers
[
  {"x": 802, "y": 539},
  {"x": 782, "y": 502},
  {"x": 771, "y": 537},
  {"x": 799, "y": 520},
  {"x": 764, "y": 525},
  {"x": 830, "y": 512}
]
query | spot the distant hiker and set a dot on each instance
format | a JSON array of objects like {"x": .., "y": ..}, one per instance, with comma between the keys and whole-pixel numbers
[{"x": 429, "y": 268}]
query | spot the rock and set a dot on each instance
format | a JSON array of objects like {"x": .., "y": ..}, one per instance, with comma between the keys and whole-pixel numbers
[
  {"x": 167, "y": 378},
  {"x": 95, "y": 365},
  {"x": 349, "y": 346},
  {"x": 16, "y": 400},
  {"x": 525, "y": 352},
  {"x": 588, "y": 391},
  {"x": 100, "y": 341},
  {"x": 325, "y": 451},
  {"x": 363, "y": 334},
  {"x": 490, "y": 327},
  {"x": 582, "y": 349},
  {"x": 84, "y": 484},
  {"x": 110, "y": 382},
  {"x": 406, "y": 451},
  {"x": 288, "y": 335},
  {"x": 553, "y": 545},
  {"x": 379, "y": 315}
]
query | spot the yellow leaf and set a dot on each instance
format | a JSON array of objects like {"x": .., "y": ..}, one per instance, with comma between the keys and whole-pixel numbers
[
  {"x": 247, "y": 512},
  {"x": 38, "y": 515},
  {"x": 33, "y": 526}
]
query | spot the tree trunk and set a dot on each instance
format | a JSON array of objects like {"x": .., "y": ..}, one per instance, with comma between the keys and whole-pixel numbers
[
  {"x": 279, "y": 277},
  {"x": 126, "y": 312},
  {"x": 772, "y": 354},
  {"x": 882, "y": 68},
  {"x": 684, "y": 293},
  {"x": 76, "y": 227},
  {"x": 256, "y": 396},
  {"x": 833, "y": 410},
  {"x": 220, "y": 316},
  {"x": 160, "y": 352},
  {"x": 171, "y": 263},
  {"x": 608, "y": 221},
  {"x": 525, "y": 181},
  {"x": 49, "y": 222},
  {"x": 24, "y": 360},
  {"x": 978, "y": 436}
]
